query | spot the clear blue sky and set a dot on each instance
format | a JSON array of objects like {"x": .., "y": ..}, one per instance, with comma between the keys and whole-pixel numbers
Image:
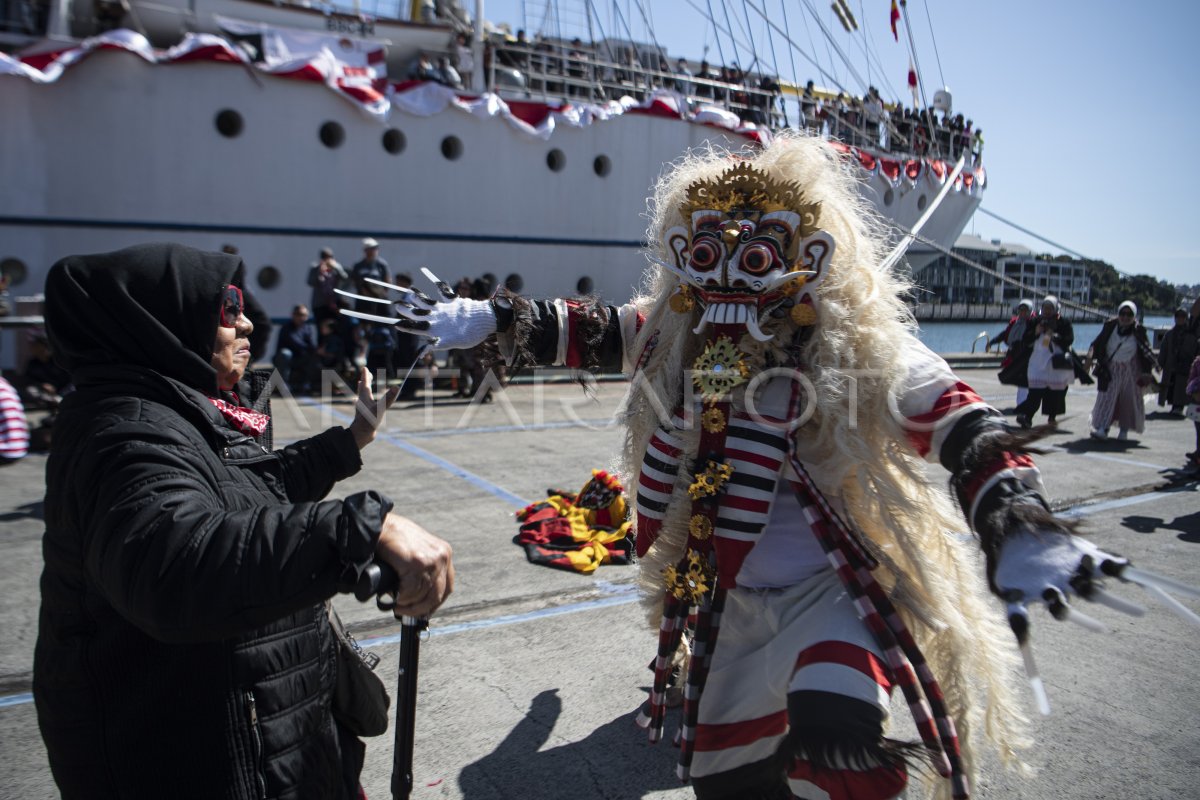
[{"x": 1089, "y": 109}]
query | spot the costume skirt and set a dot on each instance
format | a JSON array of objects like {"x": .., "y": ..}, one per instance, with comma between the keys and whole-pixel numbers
[{"x": 775, "y": 642}]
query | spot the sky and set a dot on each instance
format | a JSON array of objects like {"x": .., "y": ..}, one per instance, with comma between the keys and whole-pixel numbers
[{"x": 1088, "y": 108}]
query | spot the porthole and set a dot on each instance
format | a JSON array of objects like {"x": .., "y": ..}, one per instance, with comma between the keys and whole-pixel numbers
[
  {"x": 889, "y": 197},
  {"x": 332, "y": 135},
  {"x": 602, "y": 166},
  {"x": 14, "y": 269},
  {"x": 229, "y": 123},
  {"x": 922, "y": 201},
  {"x": 394, "y": 141},
  {"x": 269, "y": 277},
  {"x": 584, "y": 285},
  {"x": 452, "y": 148},
  {"x": 555, "y": 160},
  {"x": 514, "y": 283}
]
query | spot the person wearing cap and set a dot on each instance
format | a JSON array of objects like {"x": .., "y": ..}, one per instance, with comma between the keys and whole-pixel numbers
[
  {"x": 1050, "y": 371},
  {"x": 1018, "y": 336},
  {"x": 1123, "y": 360},
  {"x": 371, "y": 266},
  {"x": 324, "y": 277}
]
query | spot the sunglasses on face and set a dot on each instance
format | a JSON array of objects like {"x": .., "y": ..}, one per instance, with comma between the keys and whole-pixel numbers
[{"x": 231, "y": 306}]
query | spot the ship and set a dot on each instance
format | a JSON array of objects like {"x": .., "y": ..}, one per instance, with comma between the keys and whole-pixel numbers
[{"x": 285, "y": 127}]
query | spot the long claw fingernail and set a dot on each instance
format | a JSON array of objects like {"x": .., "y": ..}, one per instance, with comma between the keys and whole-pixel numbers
[
  {"x": 1035, "y": 681},
  {"x": 1116, "y": 603},
  {"x": 1174, "y": 605},
  {"x": 443, "y": 287},
  {"x": 1144, "y": 578},
  {"x": 1085, "y": 621}
]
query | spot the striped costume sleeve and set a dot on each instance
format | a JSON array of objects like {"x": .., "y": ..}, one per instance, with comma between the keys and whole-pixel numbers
[
  {"x": 14, "y": 430},
  {"x": 994, "y": 479}
]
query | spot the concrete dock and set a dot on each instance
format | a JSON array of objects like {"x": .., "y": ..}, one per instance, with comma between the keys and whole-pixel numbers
[{"x": 530, "y": 676}]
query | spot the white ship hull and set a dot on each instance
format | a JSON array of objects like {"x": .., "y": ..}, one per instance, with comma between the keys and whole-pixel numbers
[{"x": 120, "y": 151}]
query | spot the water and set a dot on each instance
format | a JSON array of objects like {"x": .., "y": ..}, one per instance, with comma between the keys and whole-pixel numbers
[{"x": 956, "y": 337}]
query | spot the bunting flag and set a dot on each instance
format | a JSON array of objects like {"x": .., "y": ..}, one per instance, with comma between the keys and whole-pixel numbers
[
  {"x": 356, "y": 70},
  {"x": 895, "y": 19}
]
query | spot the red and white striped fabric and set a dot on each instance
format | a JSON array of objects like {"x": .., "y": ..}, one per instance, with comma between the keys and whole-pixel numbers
[
  {"x": 14, "y": 429},
  {"x": 804, "y": 638},
  {"x": 660, "y": 465},
  {"x": 756, "y": 451},
  {"x": 931, "y": 400}
]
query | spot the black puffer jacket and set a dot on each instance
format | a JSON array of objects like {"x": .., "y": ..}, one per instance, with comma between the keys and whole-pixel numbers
[{"x": 184, "y": 649}]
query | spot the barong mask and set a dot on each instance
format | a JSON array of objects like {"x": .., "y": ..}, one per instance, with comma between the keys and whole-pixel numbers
[{"x": 751, "y": 243}]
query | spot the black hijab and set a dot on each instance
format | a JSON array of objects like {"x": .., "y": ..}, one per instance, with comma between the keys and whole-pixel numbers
[{"x": 152, "y": 305}]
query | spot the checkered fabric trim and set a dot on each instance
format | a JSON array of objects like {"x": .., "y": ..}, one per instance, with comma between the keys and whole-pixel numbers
[
  {"x": 670, "y": 633},
  {"x": 704, "y": 643}
]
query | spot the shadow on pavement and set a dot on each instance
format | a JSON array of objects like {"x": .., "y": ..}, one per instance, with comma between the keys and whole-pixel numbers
[
  {"x": 1188, "y": 525},
  {"x": 32, "y": 510},
  {"x": 1109, "y": 445},
  {"x": 613, "y": 760}
]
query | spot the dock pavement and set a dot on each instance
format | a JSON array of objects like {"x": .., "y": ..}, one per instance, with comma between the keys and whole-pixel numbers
[{"x": 530, "y": 677}]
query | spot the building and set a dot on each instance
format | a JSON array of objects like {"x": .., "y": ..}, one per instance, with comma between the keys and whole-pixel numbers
[{"x": 947, "y": 280}]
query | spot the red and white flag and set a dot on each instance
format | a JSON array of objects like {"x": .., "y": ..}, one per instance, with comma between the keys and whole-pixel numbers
[
  {"x": 895, "y": 19},
  {"x": 912, "y": 81},
  {"x": 356, "y": 68}
]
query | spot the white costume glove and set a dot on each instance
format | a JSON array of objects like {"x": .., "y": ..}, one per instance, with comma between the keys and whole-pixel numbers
[
  {"x": 455, "y": 323},
  {"x": 1050, "y": 566}
]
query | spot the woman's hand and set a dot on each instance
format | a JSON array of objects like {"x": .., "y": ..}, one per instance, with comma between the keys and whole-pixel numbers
[
  {"x": 368, "y": 414},
  {"x": 423, "y": 562}
]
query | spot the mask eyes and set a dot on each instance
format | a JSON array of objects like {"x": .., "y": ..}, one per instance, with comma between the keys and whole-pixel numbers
[
  {"x": 757, "y": 259},
  {"x": 704, "y": 255}
]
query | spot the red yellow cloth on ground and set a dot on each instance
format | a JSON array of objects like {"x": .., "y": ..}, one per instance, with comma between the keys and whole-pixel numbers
[{"x": 578, "y": 531}]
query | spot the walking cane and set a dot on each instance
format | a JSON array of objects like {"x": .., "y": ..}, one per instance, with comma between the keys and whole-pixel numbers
[{"x": 381, "y": 580}]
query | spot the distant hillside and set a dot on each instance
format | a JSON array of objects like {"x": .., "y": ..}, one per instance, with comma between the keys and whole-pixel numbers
[{"x": 1110, "y": 289}]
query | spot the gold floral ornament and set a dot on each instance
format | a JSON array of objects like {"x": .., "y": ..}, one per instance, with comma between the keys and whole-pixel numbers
[
  {"x": 691, "y": 579},
  {"x": 719, "y": 369},
  {"x": 710, "y": 481},
  {"x": 682, "y": 301},
  {"x": 743, "y": 187},
  {"x": 803, "y": 314},
  {"x": 700, "y": 527},
  {"x": 713, "y": 420}
]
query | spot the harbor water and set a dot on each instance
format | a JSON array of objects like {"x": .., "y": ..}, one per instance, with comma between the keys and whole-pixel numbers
[{"x": 957, "y": 337}]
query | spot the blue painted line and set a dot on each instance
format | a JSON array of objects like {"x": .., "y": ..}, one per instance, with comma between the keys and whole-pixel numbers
[
  {"x": 1083, "y": 510},
  {"x": 544, "y": 426},
  {"x": 437, "y": 461},
  {"x": 311, "y": 233},
  {"x": 512, "y": 619},
  {"x": 624, "y": 594},
  {"x": 16, "y": 700}
]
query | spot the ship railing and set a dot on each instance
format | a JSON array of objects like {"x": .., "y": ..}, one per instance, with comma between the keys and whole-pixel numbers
[{"x": 560, "y": 73}]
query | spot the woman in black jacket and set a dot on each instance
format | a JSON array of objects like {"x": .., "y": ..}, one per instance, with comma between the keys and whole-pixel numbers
[{"x": 184, "y": 645}]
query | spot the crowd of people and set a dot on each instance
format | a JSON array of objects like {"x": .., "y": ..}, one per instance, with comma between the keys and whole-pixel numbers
[
  {"x": 1042, "y": 363},
  {"x": 583, "y": 71},
  {"x": 317, "y": 338}
]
